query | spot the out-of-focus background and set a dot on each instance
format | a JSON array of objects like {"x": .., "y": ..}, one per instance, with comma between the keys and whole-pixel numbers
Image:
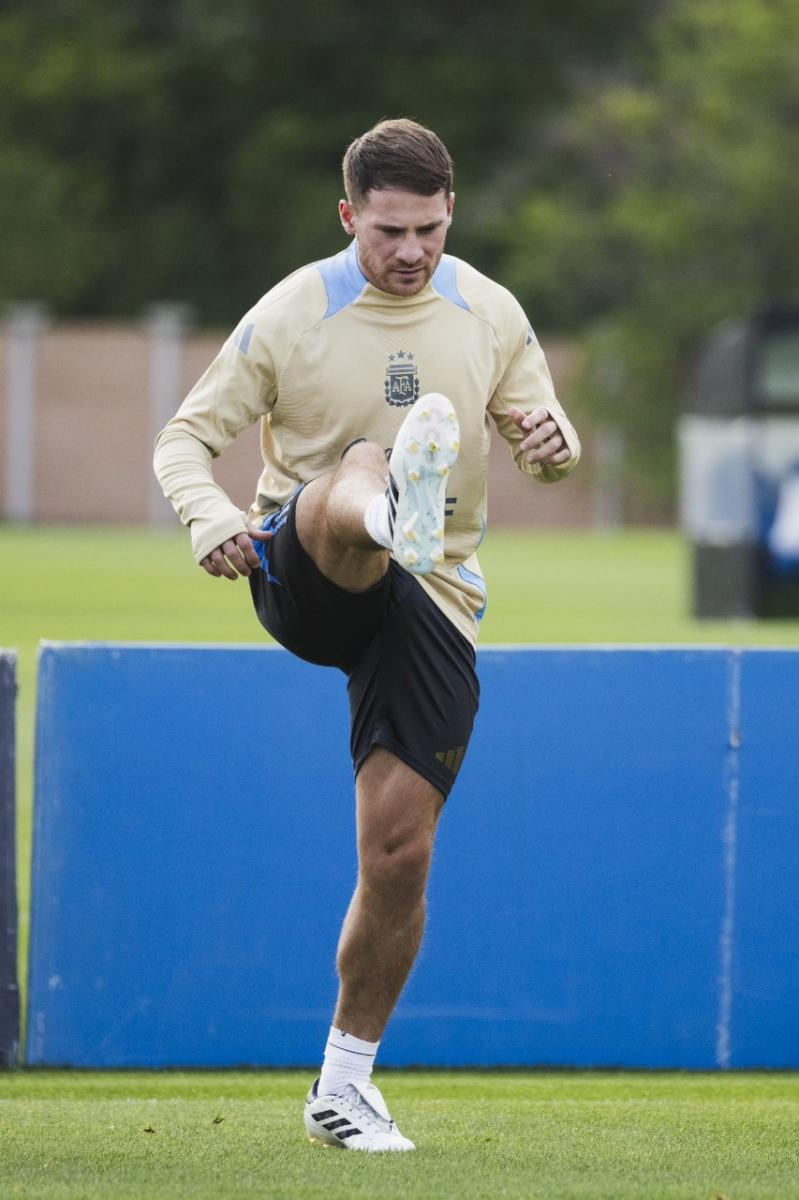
[{"x": 626, "y": 167}]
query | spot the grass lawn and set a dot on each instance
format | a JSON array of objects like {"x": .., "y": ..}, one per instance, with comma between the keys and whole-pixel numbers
[{"x": 601, "y": 1136}]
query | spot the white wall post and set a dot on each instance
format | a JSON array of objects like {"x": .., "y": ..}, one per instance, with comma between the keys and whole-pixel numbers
[
  {"x": 167, "y": 324},
  {"x": 608, "y": 492},
  {"x": 23, "y": 326}
]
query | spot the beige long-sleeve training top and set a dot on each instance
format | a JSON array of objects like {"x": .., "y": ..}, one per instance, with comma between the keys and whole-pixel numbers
[{"x": 325, "y": 358}]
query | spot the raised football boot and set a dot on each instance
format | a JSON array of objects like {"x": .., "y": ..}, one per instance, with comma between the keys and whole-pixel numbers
[
  {"x": 424, "y": 453},
  {"x": 359, "y": 1120}
]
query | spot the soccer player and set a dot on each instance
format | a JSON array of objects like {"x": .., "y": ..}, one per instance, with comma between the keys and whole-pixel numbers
[{"x": 374, "y": 374}]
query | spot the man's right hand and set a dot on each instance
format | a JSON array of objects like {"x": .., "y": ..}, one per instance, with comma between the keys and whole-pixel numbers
[{"x": 237, "y": 556}]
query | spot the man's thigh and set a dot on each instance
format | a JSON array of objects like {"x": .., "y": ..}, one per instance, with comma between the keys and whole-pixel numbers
[
  {"x": 415, "y": 690},
  {"x": 303, "y": 610},
  {"x": 412, "y": 683},
  {"x": 395, "y": 804}
]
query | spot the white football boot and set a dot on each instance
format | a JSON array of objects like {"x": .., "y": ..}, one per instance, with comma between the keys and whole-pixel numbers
[
  {"x": 424, "y": 453},
  {"x": 357, "y": 1121}
]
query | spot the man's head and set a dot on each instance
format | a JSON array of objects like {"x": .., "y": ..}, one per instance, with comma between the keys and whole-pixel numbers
[
  {"x": 401, "y": 155},
  {"x": 398, "y": 181}
]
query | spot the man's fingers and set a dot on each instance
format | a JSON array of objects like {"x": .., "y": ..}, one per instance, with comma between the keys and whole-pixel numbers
[
  {"x": 234, "y": 556},
  {"x": 536, "y": 417},
  {"x": 549, "y": 450},
  {"x": 554, "y": 452},
  {"x": 545, "y": 443},
  {"x": 258, "y": 535},
  {"x": 540, "y": 435},
  {"x": 248, "y": 551},
  {"x": 546, "y": 453},
  {"x": 560, "y": 456},
  {"x": 546, "y": 437},
  {"x": 237, "y": 556},
  {"x": 220, "y": 563}
]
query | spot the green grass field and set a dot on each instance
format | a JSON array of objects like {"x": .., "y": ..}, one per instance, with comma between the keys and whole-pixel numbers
[
  {"x": 84, "y": 1136},
  {"x": 555, "y": 1136}
]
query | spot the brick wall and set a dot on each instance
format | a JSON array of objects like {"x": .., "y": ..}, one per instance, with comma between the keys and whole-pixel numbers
[{"x": 94, "y": 435}]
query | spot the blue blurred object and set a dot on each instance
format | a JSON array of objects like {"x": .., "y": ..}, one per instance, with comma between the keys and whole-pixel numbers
[
  {"x": 782, "y": 535},
  {"x": 615, "y": 881},
  {"x": 739, "y": 456}
]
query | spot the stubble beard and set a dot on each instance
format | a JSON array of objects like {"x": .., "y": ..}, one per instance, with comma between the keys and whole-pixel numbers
[{"x": 388, "y": 280}]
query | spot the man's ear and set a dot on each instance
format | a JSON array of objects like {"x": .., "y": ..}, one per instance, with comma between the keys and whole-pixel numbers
[
  {"x": 450, "y": 206},
  {"x": 346, "y": 213}
]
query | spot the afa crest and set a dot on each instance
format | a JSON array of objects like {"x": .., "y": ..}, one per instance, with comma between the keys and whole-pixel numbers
[{"x": 402, "y": 380}]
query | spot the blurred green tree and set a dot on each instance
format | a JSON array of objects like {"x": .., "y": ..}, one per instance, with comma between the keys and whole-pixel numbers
[
  {"x": 664, "y": 199},
  {"x": 183, "y": 149}
]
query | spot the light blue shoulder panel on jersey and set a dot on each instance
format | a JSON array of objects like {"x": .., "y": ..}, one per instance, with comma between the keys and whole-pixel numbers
[
  {"x": 343, "y": 279},
  {"x": 445, "y": 282}
]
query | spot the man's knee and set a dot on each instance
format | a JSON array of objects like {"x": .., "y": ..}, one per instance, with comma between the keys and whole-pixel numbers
[
  {"x": 330, "y": 508},
  {"x": 363, "y": 455},
  {"x": 395, "y": 869}
]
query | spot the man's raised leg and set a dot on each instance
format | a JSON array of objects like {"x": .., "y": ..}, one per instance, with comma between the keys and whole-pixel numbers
[
  {"x": 345, "y": 519},
  {"x": 330, "y": 519}
]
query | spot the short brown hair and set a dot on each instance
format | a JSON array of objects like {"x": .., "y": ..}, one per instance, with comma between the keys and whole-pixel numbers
[{"x": 397, "y": 154}]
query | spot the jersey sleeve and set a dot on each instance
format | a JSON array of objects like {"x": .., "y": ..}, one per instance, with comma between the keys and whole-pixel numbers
[
  {"x": 238, "y": 388},
  {"x": 526, "y": 384}
]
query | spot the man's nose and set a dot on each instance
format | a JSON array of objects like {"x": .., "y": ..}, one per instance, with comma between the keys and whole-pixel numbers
[{"x": 410, "y": 251}]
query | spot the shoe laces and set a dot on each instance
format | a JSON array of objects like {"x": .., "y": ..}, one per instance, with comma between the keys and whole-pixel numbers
[{"x": 366, "y": 1113}]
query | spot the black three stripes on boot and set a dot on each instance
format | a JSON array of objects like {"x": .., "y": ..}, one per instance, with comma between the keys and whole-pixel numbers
[
  {"x": 392, "y": 496},
  {"x": 336, "y": 1124}
]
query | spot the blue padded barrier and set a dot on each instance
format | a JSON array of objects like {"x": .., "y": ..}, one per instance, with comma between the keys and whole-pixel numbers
[
  {"x": 614, "y": 881},
  {"x": 763, "y": 966},
  {"x": 9, "y": 992}
]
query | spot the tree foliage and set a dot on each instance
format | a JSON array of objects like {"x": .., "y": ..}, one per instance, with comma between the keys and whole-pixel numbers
[
  {"x": 185, "y": 149},
  {"x": 627, "y": 167},
  {"x": 675, "y": 204}
]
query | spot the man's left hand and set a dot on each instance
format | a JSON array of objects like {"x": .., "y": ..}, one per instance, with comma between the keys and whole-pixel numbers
[{"x": 545, "y": 443}]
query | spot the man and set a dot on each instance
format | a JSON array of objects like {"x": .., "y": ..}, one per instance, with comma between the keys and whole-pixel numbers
[{"x": 390, "y": 346}]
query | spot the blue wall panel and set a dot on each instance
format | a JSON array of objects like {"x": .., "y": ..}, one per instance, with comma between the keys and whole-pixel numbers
[
  {"x": 192, "y": 807},
  {"x": 194, "y": 857},
  {"x": 576, "y": 893},
  {"x": 764, "y": 1022}
]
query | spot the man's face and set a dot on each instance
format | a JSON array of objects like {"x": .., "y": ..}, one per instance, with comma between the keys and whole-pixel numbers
[{"x": 400, "y": 237}]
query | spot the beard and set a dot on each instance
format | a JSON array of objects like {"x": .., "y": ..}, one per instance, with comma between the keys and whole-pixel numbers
[{"x": 394, "y": 279}]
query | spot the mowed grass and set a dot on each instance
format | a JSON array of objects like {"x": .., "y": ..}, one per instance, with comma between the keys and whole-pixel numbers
[{"x": 228, "y": 1136}]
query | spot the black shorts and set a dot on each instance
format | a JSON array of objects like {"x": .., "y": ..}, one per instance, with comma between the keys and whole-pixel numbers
[{"x": 411, "y": 674}]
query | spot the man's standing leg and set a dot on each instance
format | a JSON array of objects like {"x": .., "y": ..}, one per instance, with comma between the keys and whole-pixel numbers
[
  {"x": 397, "y": 814},
  {"x": 397, "y": 808}
]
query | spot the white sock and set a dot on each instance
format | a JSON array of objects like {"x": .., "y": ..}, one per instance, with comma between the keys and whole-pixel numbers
[
  {"x": 375, "y": 518},
  {"x": 347, "y": 1059}
]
